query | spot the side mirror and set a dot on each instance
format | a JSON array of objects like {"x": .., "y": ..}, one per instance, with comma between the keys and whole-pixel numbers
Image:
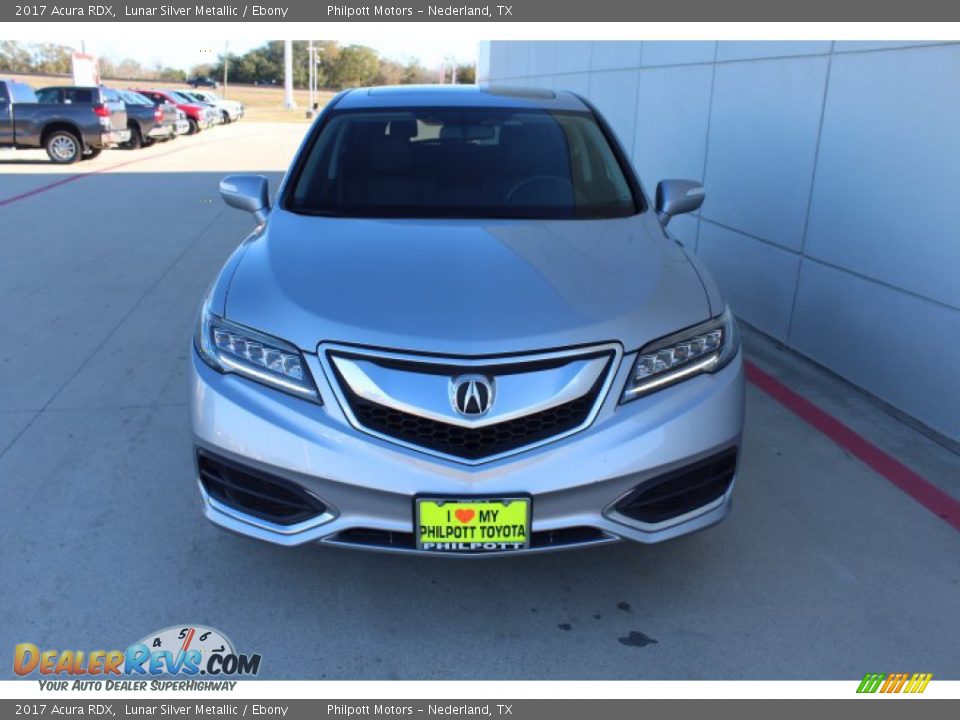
[
  {"x": 675, "y": 197},
  {"x": 247, "y": 192}
]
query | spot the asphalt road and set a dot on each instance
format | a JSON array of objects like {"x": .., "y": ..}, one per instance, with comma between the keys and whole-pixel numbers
[{"x": 824, "y": 570}]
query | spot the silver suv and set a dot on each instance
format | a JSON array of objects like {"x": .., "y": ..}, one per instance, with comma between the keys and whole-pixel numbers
[{"x": 462, "y": 329}]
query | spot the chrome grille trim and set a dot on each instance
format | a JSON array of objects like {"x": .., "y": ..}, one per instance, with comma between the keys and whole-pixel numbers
[
  {"x": 361, "y": 375},
  {"x": 610, "y": 355}
]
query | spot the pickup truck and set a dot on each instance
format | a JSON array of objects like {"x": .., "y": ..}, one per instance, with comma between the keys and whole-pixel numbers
[
  {"x": 230, "y": 110},
  {"x": 199, "y": 116},
  {"x": 147, "y": 122},
  {"x": 71, "y": 130}
]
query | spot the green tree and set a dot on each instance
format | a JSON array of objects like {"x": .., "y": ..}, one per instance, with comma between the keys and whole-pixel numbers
[
  {"x": 169, "y": 74},
  {"x": 52, "y": 59},
  {"x": 15, "y": 57},
  {"x": 129, "y": 69},
  {"x": 415, "y": 74},
  {"x": 467, "y": 74},
  {"x": 204, "y": 69},
  {"x": 337, "y": 67},
  {"x": 328, "y": 53},
  {"x": 389, "y": 72}
]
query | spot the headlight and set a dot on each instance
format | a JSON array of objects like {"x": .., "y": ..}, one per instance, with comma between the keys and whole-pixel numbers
[
  {"x": 703, "y": 348},
  {"x": 228, "y": 347}
]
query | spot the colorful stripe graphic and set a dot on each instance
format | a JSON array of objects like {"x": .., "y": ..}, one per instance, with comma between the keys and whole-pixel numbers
[{"x": 894, "y": 682}]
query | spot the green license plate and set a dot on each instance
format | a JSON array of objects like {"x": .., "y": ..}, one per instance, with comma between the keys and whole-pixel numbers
[{"x": 472, "y": 526}]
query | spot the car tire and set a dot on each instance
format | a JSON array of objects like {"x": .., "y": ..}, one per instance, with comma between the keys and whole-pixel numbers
[
  {"x": 136, "y": 139},
  {"x": 226, "y": 117},
  {"x": 63, "y": 147},
  {"x": 194, "y": 127}
]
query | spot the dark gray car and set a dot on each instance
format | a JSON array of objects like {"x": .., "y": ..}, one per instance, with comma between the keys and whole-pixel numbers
[
  {"x": 147, "y": 122},
  {"x": 69, "y": 123}
]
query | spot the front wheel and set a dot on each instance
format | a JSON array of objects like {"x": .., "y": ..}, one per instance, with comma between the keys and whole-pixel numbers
[
  {"x": 136, "y": 139},
  {"x": 194, "y": 127},
  {"x": 226, "y": 117},
  {"x": 63, "y": 147}
]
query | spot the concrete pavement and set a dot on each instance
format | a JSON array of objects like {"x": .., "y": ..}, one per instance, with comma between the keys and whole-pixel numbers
[{"x": 823, "y": 570}]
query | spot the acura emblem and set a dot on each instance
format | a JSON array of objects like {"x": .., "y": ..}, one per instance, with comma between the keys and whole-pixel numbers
[{"x": 471, "y": 395}]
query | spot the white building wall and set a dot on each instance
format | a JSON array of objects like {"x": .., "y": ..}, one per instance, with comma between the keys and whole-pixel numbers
[{"x": 832, "y": 172}]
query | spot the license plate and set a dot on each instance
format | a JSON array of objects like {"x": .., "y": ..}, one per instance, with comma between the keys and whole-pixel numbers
[{"x": 473, "y": 526}]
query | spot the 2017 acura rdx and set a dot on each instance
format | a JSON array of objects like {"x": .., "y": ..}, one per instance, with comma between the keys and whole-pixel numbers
[{"x": 462, "y": 328}]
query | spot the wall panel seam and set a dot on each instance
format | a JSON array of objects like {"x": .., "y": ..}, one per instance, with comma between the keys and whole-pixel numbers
[{"x": 813, "y": 182}]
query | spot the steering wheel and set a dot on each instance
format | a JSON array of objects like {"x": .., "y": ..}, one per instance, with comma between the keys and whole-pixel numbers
[{"x": 561, "y": 184}]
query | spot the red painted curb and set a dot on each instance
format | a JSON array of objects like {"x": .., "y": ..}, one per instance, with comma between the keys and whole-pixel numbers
[{"x": 923, "y": 491}]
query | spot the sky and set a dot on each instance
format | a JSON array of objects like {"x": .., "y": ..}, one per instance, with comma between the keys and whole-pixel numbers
[{"x": 186, "y": 53}]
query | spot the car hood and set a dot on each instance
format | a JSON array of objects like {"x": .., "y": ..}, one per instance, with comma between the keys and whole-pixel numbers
[{"x": 464, "y": 287}]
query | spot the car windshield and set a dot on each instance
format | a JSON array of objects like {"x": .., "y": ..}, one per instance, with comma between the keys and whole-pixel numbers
[
  {"x": 180, "y": 97},
  {"x": 461, "y": 162}
]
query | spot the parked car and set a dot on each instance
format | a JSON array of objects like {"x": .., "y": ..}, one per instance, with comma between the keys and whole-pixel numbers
[
  {"x": 69, "y": 123},
  {"x": 183, "y": 124},
  {"x": 147, "y": 122},
  {"x": 203, "y": 81},
  {"x": 230, "y": 110},
  {"x": 211, "y": 112},
  {"x": 199, "y": 117},
  {"x": 463, "y": 328}
]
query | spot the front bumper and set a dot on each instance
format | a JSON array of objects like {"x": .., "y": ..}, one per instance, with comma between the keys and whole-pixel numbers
[{"x": 368, "y": 485}]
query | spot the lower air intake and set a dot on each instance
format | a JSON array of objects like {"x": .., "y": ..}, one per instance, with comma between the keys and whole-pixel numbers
[
  {"x": 256, "y": 493},
  {"x": 681, "y": 491}
]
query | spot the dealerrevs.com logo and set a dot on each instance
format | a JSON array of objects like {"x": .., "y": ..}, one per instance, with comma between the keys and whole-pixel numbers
[{"x": 182, "y": 650}]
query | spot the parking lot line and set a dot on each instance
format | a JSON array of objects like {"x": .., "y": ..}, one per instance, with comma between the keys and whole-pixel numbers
[
  {"x": 913, "y": 484},
  {"x": 116, "y": 166},
  {"x": 80, "y": 176}
]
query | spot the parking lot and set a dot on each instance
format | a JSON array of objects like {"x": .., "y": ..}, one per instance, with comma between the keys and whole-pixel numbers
[{"x": 825, "y": 569}]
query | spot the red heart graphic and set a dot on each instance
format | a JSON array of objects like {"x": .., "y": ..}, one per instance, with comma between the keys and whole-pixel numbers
[{"x": 464, "y": 516}]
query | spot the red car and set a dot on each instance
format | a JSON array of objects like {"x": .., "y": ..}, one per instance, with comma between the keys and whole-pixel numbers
[{"x": 198, "y": 115}]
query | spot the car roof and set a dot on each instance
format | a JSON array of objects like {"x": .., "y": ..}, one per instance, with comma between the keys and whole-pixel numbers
[{"x": 406, "y": 96}]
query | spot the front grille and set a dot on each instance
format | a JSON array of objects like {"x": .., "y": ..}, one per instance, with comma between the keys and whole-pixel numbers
[
  {"x": 479, "y": 442},
  {"x": 256, "y": 493},
  {"x": 540, "y": 539},
  {"x": 682, "y": 490}
]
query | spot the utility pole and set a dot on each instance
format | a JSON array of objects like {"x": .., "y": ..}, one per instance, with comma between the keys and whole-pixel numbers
[{"x": 288, "y": 101}]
